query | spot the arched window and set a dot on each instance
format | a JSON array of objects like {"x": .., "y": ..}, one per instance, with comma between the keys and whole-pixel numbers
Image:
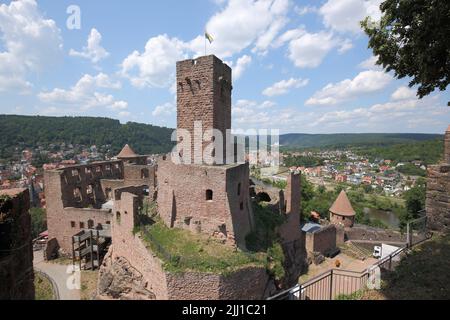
[
  {"x": 118, "y": 218},
  {"x": 108, "y": 193},
  {"x": 90, "y": 224},
  {"x": 209, "y": 195}
]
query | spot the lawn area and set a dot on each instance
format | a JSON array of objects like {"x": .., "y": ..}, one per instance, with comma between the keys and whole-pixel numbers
[
  {"x": 43, "y": 288},
  {"x": 88, "y": 284},
  {"x": 181, "y": 250}
]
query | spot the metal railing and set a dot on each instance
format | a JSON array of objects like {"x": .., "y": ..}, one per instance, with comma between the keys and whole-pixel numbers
[{"x": 336, "y": 282}]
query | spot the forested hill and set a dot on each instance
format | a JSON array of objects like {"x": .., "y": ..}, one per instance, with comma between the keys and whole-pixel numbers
[
  {"x": 300, "y": 140},
  {"x": 33, "y": 131}
]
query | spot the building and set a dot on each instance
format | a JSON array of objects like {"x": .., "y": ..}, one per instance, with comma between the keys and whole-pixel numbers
[
  {"x": 341, "y": 212},
  {"x": 16, "y": 250},
  {"x": 75, "y": 195}
]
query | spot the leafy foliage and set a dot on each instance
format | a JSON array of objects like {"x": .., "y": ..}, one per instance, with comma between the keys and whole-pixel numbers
[
  {"x": 412, "y": 40},
  {"x": 429, "y": 151},
  {"x": 415, "y": 202},
  {"x": 38, "y": 221}
]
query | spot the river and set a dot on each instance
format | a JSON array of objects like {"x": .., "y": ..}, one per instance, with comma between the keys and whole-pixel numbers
[{"x": 387, "y": 217}]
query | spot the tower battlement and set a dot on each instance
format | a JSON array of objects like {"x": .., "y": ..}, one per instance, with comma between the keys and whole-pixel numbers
[{"x": 204, "y": 87}]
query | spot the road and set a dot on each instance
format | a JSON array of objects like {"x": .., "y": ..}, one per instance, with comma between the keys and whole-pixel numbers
[{"x": 58, "y": 273}]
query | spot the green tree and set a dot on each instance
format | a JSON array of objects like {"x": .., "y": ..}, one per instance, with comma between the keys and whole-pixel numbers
[
  {"x": 38, "y": 221},
  {"x": 412, "y": 40}
]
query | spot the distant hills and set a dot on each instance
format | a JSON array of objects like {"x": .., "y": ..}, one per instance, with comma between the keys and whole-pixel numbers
[
  {"x": 31, "y": 131},
  {"x": 300, "y": 140}
]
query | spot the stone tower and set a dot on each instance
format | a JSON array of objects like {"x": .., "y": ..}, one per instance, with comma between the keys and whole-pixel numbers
[
  {"x": 447, "y": 146},
  {"x": 204, "y": 88}
]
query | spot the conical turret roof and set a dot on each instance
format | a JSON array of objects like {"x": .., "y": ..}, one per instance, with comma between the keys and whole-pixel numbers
[
  {"x": 342, "y": 206},
  {"x": 127, "y": 152}
]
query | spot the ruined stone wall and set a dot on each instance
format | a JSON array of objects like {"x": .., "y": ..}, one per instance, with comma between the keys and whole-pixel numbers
[
  {"x": 437, "y": 203},
  {"x": 362, "y": 232},
  {"x": 68, "y": 214},
  {"x": 247, "y": 283},
  {"x": 183, "y": 199},
  {"x": 16, "y": 250},
  {"x": 345, "y": 221},
  {"x": 323, "y": 240},
  {"x": 290, "y": 230},
  {"x": 204, "y": 94},
  {"x": 447, "y": 146}
]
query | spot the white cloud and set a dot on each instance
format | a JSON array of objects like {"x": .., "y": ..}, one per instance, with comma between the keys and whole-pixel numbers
[
  {"x": 239, "y": 67},
  {"x": 365, "y": 82},
  {"x": 345, "y": 46},
  {"x": 310, "y": 49},
  {"x": 93, "y": 51},
  {"x": 370, "y": 64},
  {"x": 345, "y": 15},
  {"x": 124, "y": 114},
  {"x": 30, "y": 41},
  {"x": 305, "y": 10},
  {"x": 242, "y": 23},
  {"x": 403, "y": 93},
  {"x": 165, "y": 109},
  {"x": 288, "y": 36},
  {"x": 155, "y": 67},
  {"x": 284, "y": 86},
  {"x": 85, "y": 94}
]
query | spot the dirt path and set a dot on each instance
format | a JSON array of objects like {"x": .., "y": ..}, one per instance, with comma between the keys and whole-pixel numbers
[{"x": 58, "y": 273}]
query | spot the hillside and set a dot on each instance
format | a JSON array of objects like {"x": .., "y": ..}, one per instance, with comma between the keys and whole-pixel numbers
[
  {"x": 300, "y": 140},
  {"x": 31, "y": 131}
]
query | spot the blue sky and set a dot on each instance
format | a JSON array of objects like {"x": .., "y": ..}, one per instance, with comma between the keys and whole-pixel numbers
[{"x": 298, "y": 66}]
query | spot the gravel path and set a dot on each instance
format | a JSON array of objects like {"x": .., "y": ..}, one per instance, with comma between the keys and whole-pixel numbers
[{"x": 58, "y": 273}]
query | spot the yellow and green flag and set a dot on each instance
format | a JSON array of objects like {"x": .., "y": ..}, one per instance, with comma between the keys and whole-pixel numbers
[{"x": 209, "y": 37}]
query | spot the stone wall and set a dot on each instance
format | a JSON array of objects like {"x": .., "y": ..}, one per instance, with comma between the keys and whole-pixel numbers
[
  {"x": 323, "y": 240},
  {"x": 209, "y": 199},
  {"x": 16, "y": 250},
  {"x": 290, "y": 207},
  {"x": 247, "y": 283},
  {"x": 68, "y": 214},
  {"x": 366, "y": 233},
  {"x": 437, "y": 203}
]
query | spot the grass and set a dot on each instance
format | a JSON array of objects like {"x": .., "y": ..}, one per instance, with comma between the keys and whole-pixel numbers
[
  {"x": 43, "y": 288},
  {"x": 61, "y": 260},
  {"x": 181, "y": 251},
  {"x": 88, "y": 284}
]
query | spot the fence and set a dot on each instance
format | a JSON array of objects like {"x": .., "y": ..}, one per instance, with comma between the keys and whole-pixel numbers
[
  {"x": 417, "y": 232},
  {"x": 336, "y": 282}
]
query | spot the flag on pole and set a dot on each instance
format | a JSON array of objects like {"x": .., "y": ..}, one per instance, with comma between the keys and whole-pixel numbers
[{"x": 209, "y": 37}]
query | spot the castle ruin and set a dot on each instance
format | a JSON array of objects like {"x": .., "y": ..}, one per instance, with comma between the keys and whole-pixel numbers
[{"x": 206, "y": 198}]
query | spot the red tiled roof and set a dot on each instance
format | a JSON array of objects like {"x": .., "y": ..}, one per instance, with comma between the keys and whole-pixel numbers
[
  {"x": 342, "y": 206},
  {"x": 127, "y": 152}
]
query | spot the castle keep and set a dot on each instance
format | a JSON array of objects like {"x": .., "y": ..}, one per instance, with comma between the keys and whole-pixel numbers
[{"x": 208, "y": 199}]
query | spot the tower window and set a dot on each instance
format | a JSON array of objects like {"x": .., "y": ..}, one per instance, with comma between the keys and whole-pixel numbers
[
  {"x": 241, "y": 206},
  {"x": 239, "y": 189},
  {"x": 209, "y": 195},
  {"x": 72, "y": 224},
  {"x": 118, "y": 218}
]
